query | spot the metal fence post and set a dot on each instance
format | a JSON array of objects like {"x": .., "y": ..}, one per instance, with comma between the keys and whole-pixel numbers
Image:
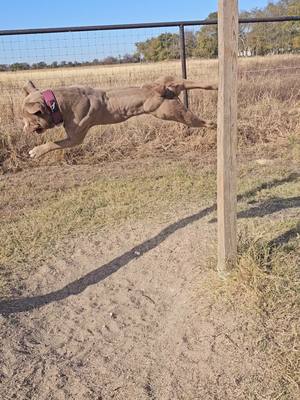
[{"x": 183, "y": 62}]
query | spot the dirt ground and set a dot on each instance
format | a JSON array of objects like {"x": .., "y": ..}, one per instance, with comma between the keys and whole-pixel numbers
[
  {"x": 129, "y": 313},
  {"x": 125, "y": 316}
]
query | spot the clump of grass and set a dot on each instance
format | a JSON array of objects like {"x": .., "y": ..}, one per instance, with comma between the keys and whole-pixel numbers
[{"x": 267, "y": 278}]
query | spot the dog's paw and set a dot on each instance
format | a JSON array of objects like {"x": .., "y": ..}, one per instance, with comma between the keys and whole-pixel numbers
[{"x": 36, "y": 152}]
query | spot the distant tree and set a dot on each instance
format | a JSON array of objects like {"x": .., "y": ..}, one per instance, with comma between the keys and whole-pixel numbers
[
  {"x": 41, "y": 65},
  {"x": 19, "y": 66},
  {"x": 110, "y": 60},
  {"x": 207, "y": 40},
  {"x": 130, "y": 58},
  {"x": 160, "y": 48},
  {"x": 190, "y": 43}
]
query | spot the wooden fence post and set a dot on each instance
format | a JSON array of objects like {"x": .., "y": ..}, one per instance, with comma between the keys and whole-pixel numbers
[
  {"x": 227, "y": 134},
  {"x": 183, "y": 63}
]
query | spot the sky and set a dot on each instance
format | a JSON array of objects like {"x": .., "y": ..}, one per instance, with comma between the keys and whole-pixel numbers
[
  {"x": 85, "y": 46},
  {"x": 54, "y": 13}
]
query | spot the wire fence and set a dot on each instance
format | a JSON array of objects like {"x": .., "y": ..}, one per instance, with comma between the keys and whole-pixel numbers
[
  {"x": 128, "y": 55},
  {"x": 173, "y": 47}
]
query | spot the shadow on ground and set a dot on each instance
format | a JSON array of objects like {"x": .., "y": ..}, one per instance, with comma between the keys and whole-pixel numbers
[{"x": 22, "y": 304}]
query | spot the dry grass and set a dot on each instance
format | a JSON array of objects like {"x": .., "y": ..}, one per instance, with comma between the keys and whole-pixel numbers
[
  {"x": 265, "y": 101},
  {"x": 266, "y": 284}
]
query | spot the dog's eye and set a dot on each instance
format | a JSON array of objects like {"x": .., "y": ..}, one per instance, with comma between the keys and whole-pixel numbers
[{"x": 38, "y": 112}]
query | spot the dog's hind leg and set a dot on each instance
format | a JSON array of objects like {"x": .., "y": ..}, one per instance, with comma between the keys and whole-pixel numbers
[{"x": 174, "y": 110}]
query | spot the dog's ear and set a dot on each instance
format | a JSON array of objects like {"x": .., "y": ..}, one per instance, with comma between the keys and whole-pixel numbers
[
  {"x": 29, "y": 88},
  {"x": 35, "y": 108}
]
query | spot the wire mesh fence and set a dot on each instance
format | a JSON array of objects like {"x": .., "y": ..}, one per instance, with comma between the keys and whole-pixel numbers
[{"x": 97, "y": 56}]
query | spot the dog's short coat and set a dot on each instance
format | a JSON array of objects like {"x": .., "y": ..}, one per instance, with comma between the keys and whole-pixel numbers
[{"x": 83, "y": 107}]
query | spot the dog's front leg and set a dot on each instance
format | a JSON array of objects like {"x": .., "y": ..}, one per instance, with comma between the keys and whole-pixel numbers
[{"x": 39, "y": 151}]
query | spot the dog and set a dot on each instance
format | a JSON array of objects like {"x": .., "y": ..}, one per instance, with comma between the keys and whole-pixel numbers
[{"x": 79, "y": 108}]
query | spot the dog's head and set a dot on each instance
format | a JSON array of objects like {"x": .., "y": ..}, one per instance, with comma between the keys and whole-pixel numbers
[{"x": 36, "y": 115}]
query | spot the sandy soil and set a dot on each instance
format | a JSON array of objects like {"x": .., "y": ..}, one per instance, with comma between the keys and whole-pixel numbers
[{"x": 128, "y": 314}]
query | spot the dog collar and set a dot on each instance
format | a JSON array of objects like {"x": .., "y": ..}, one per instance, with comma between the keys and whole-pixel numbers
[{"x": 52, "y": 104}]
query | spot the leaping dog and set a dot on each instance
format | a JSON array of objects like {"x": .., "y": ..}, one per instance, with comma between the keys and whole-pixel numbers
[{"x": 79, "y": 108}]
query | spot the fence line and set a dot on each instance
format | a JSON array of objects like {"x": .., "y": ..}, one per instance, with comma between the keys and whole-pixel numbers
[
  {"x": 79, "y": 49},
  {"x": 142, "y": 25}
]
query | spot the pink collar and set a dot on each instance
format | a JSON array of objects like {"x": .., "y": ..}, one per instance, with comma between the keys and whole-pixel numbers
[{"x": 52, "y": 104}]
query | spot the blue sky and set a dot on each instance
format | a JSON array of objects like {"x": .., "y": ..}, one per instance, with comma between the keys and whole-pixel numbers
[
  {"x": 89, "y": 45},
  {"x": 53, "y": 13}
]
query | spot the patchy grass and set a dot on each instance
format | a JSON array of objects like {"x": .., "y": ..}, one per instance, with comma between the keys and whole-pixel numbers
[
  {"x": 28, "y": 235},
  {"x": 266, "y": 283},
  {"x": 36, "y": 214},
  {"x": 41, "y": 208}
]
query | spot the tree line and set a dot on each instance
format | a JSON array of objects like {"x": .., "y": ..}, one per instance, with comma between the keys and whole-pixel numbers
[
  {"x": 254, "y": 39},
  {"x": 19, "y": 66}
]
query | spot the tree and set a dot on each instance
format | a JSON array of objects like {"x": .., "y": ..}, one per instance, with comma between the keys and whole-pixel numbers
[
  {"x": 130, "y": 58},
  {"x": 190, "y": 43},
  {"x": 110, "y": 60},
  {"x": 160, "y": 48},
  {"x": 273, "y": 38},
  {"x": 19, "y": 66},
  {"x": 207, "y": 40}
]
